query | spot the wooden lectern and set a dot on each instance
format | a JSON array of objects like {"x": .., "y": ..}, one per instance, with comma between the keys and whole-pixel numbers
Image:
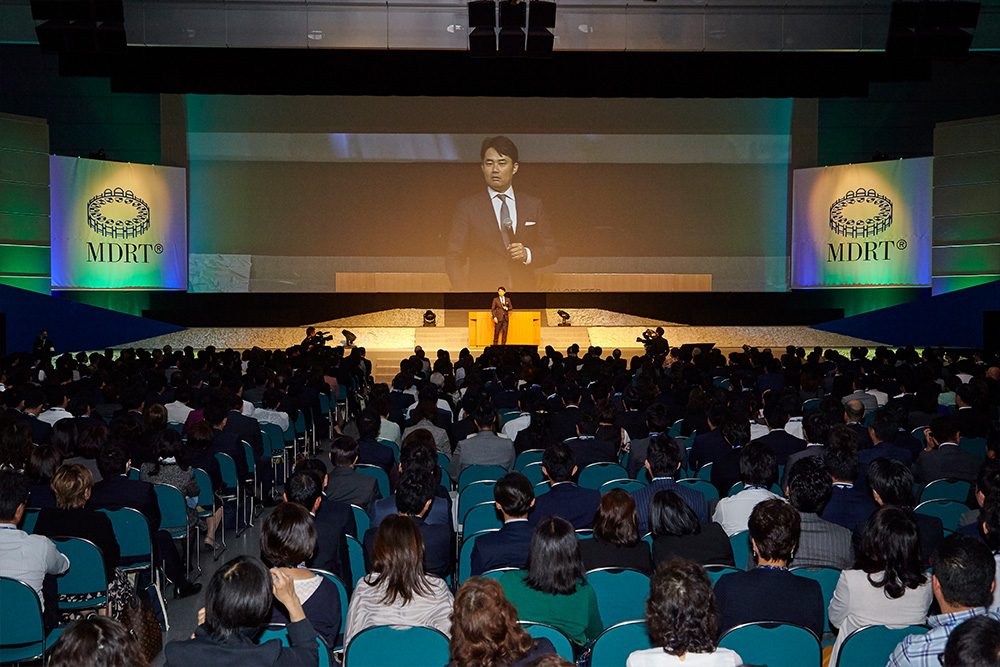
[{"x": 523, "y": 328}]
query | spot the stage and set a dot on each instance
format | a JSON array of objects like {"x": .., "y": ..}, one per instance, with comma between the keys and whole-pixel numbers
[{"x": 390, "y": 335}]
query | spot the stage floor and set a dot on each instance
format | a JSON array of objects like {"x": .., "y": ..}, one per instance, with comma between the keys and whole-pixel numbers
[{"x": 390, "y": 335}]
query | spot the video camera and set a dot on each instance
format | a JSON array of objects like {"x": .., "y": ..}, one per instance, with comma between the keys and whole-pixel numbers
[
  {"x": 647, "y": 336},
  {"x": 322, "y": 337}
]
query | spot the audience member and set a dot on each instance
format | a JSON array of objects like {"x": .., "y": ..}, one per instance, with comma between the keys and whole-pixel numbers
[
  {"x": 892, "y": 484},
  {"x": 663, "y": 461},
  {"x": 821, "y": 543},
  {"x": 974, "y": 643},
  {"x": 508, "y": 547},
  {"x": 782, "y": 443},
  {"x": 816, "y": 430},
  {"x": 677, "y": 533},
  {"x": 726, "y": 469},
  {"x": 97, "y": 641},
  {"x": 564, "y": 498},
  {"x": 616, "y": 542},
  {"x": 484, "y": 447},
  {"x": 347, "y": 485},
  {"x": 849, "y": 505},
  {"x": 682, "y": 621},
  {"x": 758, "y": 470},
  {"x": 332, "y": 522},
  {"x": 42, "y": 465}
]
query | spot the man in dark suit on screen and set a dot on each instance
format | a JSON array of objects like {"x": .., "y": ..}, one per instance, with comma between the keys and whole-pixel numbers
[
  {"x": 500, "y": 309},
  {"x": 498, "y": 236}
]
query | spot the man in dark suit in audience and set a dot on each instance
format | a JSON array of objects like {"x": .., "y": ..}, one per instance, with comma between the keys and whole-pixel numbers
[
  {"x": 971, "y": 422},
  {"x": 854, "y": 414},
  {"x": 413, "y": 499},
  {"x": 507, "y": 547},
  {"x": 849, "y": 504},
  {"x": 657, "y": 423},
  {"x": 726, "y": 469},
  {"x": 563, "y": 424},
  {"x": 663, "y": 460},
  {"x": 883, "y": 433},
  {"x": 223, "y": 442},
  {"x": 34, "y": 400},
  {"x": 116, "y": 490},
  {"x": 370, "y": 451},
  {"x": 564, "y": 498},
  {"x": 333, "y": 521},
  {"x": 816, "y": 429},
  {"x": 247, "y": 429},
  {"x": 943, "y": 458},
  {"x": 782, "y": 443},
  {"x": 707, "y": 447},
  {"x": 345, "y": 484},
  {"x": 587, "y": 448}
]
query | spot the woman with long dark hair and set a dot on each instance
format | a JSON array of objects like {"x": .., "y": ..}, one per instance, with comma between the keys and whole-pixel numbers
[
  {"x": 42, "y": 465},
  {"x": 889, "y": 586},
  {"x": 398, "y": 592},
  {"x": 485, "y": 631},
  {"x": 616, "y": 541},
  {"x": 682, "y": 621},
  {"x": 554, "y": 587},
  {"x": 677, "y": 533}
]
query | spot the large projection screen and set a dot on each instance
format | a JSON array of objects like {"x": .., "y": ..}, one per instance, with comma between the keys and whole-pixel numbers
[{"x": 324, "y": 194}]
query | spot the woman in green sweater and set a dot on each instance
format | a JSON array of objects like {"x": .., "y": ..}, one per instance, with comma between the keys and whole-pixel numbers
[{"x": 554, "y": 589}]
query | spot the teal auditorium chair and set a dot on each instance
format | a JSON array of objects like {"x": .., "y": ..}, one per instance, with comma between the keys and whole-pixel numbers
[
  {"x": 279, "y": 632},
  {"x": 206, "y": 508},
  {"x": 613, "y": 646},
  {"x": 361, "y": 520},
  {"x": 596, "y": 474},
  {"x": 974, "y": 446},
  {"x": 342, "y": 592},
  {"x": 827, "y": 577},
  {"x": 22, "y": 635},
  {"x": 774, "y": 644},
  {"x": 498, "y": 572},
  {"x": 527, "y": 457},
  {"x": 356, "y": 558},
  {"x": 465, "y": 556},
  {"x": 29, "y": 520},
  {"x": 627, "y": 485},
  {"x": 132, "y": 534},
  {"x": 949, "y": 511},
  {"x": 378, "y": 474},
  {"x": 716, "y": 571},
  {"x": 872, "y": 646},
  {"x": 173, "y": 514},
  {"x": 394, "y": 646},
  {"x": 558, "y": 638},
  {"x": 542, "y": 487},
  {"x": 533, "y": 471},
  {"x": 482, "y": 517},
  {"x": 474, "y": 474},
  {"x": 621, "y": 594},
  {"x": 705, "y": 487},
  {"x": 946, "y": 489},
  {"x": 472, "y": 495},
  {"x": 741, "y": 548},
  {"x": 234, "y": 490},
  {"x": 85, "y": 575}
]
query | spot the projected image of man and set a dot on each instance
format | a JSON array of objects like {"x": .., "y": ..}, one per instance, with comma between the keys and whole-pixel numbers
[{"x": 500, "y": 237}]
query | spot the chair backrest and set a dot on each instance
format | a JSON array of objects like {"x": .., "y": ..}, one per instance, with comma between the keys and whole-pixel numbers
[
  {"x": 465, "y": 555},
  {"x": 474, "y": 474},
  {"x": 558, "y": 638},
  {"x": 497, "y": 572},
  {"x": 873, "y": 645},
  {"x": 541, "y": 487},
  {"x": 341, "y": 590},
  {"x": 248, "y": 455},
  {"x": 274, "y": 433},
  {"x": 21, "y": 619},
  {"x": 85, "y": 574},
  {"x": 173, "y": 509},
  {"x": 483, "y": 516},
  {"x": 596, "y": 474},
  {"x": 205, "y": 496},
  {"x": 134, "y": 474},
  {"x": 227, "y": 466},
  {"x": 949, "y": 511},
  {"x": 280, "y": 632},
  {"x": 774, "y": 644},
  {"x": 527, "y": 457},
  {"x": 132, "y": 534},
  {"x": 378, "y": 474},
  {"x": 361, "y": 520},
  {"x": 705, "y": 473},
  {"x": 28, "y": 520},
  {"x": 740, "y": 542},
  {"x": 706, "y": 488},
  {"x": 716, "y": 571},
  {"x": 675, "y": 428},
  {"x": 974, "y": 446},
  {"x": 394, "y": 646},
  {"x": 391, "y": 444},
  {"x": 827, "y": 577},
  {"x": 472, "y": 495},
  {"x": 613, "y": 646},
  {"x": 443, "y": 461},
  {"x": 946, "y": 489},
  {"x": 174, "y": 426},
  {"x": 356, "y": 558},
  {"x": 628, "y": 485},
  {"x": 533, "y": 471},
  {"x": 621, "y": 594}
]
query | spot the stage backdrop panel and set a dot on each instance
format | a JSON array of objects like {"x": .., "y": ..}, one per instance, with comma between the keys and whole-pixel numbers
[
  {"x": 117, "y": 225},
  {"x": 862, "y": 224}
]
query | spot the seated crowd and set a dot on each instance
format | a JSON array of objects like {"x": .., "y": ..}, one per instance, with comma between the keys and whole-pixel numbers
[{"x": 732, "y": 480}]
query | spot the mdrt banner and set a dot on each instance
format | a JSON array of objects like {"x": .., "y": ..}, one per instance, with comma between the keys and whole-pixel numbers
[
  {"x": 862, "y": 224},
  {"x": 117, "y": 225}
]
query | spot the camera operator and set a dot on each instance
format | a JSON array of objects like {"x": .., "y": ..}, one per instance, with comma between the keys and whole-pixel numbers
[
  {"x": 654, "y": 342},
  {"x": 314, "y": 338}
]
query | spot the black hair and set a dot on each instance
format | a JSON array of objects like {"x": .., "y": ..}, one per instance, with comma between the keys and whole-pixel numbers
[
  {"x": 990, "y": 516},
  {"x": 657, "y": 418},
  {"x": 344, "y": 451},
  {"x": 484, "y": 415},
  {"x": 758, "y": 465},
  {"x": 288, "y": 536},
  {"x": 166, "y": 444},
  {"x": 893, "y": 482},
  {"x": 974, "y": 643},
  {"x": 736, "y": 430},
  {"x": 369, "y": 424},
  {"x": 303, "y": 489},
  {"x": 215, "y": 412},
  {"x": 587, "y": 424},
  {"x": 774, "y": 527},
  {"x": 514, "y": 493},
  {"x": 841, "y": 460},
  {"x": 988, "y": 480},
  {"x": 669, "y": 514},
  {"x": 314, "y": 467},
  {"x": 238, "y": 600},
  {"x": 816, "y": 428},
  {"x": 965, "y": 569},
  {"x": 97, "y": 641},
  {"x": 775, "y": 415},
  {"x": 13, "y": 492},
  {"x": 885, "y": 425},
  {"x": 501, "y": 145},
  {"x": 890, "y": 548},
  {"x": 559, "y": 460},
  {"x": 663, "y": 455},
  {"x": 112, "y": 460},
  {"x": 809, "y": 486},
  {"x": 944, "y": 428},
  {"x": 554, "y": 561},
  {"x": 413, "y": 492}
]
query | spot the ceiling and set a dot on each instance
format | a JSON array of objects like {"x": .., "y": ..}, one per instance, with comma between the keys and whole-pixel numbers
[{"x": 581, "y": 25}]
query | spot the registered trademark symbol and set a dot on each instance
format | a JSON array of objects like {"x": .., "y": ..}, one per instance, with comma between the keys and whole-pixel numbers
[
  {"x": 158, "y": 248},
  {"x": 900, "y": 244}
]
